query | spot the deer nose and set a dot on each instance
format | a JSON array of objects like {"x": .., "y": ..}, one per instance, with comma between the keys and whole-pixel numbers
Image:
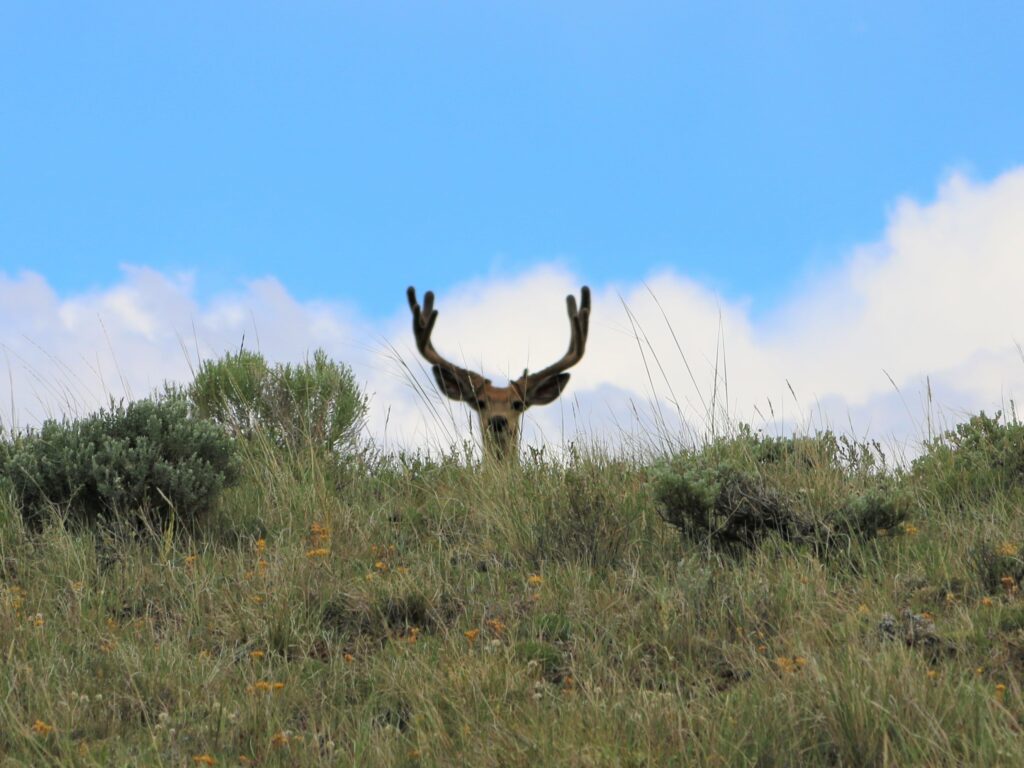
[{"x": 498, "y": 424}]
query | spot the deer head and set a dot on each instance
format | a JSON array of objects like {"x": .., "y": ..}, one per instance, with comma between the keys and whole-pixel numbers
[{"x": 500, "y": 408}]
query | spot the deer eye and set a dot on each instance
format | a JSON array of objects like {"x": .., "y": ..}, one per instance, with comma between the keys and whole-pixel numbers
[
  {"x": 481, "y": 404},
  {"x": 518, "y": 405}
]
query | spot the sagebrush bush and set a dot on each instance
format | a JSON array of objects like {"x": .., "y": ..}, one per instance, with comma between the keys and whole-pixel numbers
[
  {"x": 315, "y": 404},
  {"x": 819, "y": 490},
  {"x": 149, "y": 457},
  {"x": 974, "y": 461},
  {"x": 721, "y": 504}
]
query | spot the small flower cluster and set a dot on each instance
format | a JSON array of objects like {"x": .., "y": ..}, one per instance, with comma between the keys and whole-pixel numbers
[
  {"x": 12, "y": 599},
  {"x": 261, "y": 563},
  {"x": 790, "y": 664},
  {"x": 383, "y": 557},
  {"x": 412, "y": 635},
  {"x": 534, "y": 581},
  {"x": 265, "y": 686},
  {"x": 41, "y": 728},
  {"x": 319, "y": 538}
]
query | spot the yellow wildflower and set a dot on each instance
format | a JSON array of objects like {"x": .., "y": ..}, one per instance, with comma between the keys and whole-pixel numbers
[
  {"x": 1000, "y": 691},
  {"x": 255, "y": 654},
  {"x": 790, "y": 663},
  {"x": 535, "y": 580},
  {"x": 204, "y": 759},
  {"x": 497, "y": 625},
  {"x": 910, "y": 529},
  {"x": 318, "y": 552},
  {"x": 380, "y": 565},
  {"x": 986, "y": 601},
  {"x": 349, "y": 658},
  {"x": 472, "y": 635},
  {"x": 280, "y": 739},
  {"x": 1006, "y": 549},
  {"x": 41, "y": 728},
  {"x": 261, "y": 545},
  {"x": 933, "y": 673}
]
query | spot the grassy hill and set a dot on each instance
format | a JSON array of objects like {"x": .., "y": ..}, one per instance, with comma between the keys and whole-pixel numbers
[{"x": 400, "y": 610}]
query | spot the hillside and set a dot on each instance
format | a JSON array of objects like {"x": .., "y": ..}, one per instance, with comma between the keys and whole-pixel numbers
[{"x": 364, "y": 609}]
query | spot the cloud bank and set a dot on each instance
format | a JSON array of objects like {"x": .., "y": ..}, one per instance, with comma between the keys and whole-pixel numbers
[{"x": 908, "y": 334}]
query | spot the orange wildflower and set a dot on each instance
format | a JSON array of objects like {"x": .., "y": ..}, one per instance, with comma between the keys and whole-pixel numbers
[{"x": 41, "y": 729}]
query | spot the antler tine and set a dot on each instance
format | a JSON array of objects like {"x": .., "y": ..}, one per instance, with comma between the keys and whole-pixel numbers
[
  {"x": 579, "y": 325},
  {"x": 423, "y": 319}
]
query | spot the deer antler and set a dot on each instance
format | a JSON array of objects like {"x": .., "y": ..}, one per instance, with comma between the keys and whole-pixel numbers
[
  {"x": 579, "y": 323},
  {"x": 454, "y": 380}
]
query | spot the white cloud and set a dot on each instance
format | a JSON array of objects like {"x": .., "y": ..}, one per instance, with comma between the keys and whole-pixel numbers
[{"x": 938, "y": 296}]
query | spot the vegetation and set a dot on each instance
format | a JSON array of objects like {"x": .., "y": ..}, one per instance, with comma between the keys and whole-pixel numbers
[
  {"x": 314, "y": 405},
  {"x": 819, "y": 490},
  {"x": 759, "y": 601},
  {"x": 147, "y": 460}
]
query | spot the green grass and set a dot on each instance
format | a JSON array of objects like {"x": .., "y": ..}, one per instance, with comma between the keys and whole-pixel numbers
[{"x": 426, "y": 612}]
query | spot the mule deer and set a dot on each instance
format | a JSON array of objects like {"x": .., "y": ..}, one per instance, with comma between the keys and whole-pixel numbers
[{"x": 500, "y": 408}]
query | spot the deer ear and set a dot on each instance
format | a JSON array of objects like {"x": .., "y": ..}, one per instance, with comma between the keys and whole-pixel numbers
[
  {"x": 455, "y": 387},
  {"x": 547, "y": 390}
]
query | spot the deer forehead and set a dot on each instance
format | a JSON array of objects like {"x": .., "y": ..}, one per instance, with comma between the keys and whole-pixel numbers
[{"x": 496, "y": 395}]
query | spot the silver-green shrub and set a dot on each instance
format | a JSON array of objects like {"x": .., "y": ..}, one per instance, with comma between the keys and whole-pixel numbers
[
  {"x": 316, "y": 404},
  {"x": 819, "y": 490},
  {"x": 148, "y": 457},
  {"x": 973, "y": 462}
]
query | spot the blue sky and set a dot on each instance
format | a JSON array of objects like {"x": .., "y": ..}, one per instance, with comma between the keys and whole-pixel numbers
[
  {"x": 351, "y": 149},
  {"x": 812, "y": 213}
]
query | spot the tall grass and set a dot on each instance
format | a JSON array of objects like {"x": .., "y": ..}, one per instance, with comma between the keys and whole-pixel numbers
[{"x": 407, "y": 610}]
